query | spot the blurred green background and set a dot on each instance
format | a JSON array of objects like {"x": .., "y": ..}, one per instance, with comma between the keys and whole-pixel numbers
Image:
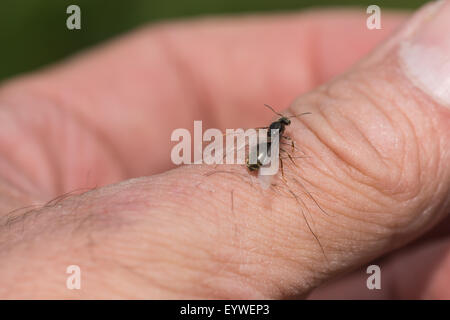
[{"x": 33, "y": 32}]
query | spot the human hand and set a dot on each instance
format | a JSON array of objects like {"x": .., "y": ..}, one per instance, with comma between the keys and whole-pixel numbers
[{"x": 378, "y": 147}]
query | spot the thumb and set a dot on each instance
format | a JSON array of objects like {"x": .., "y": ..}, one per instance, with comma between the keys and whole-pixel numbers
[{"x": 379, "y": 146}]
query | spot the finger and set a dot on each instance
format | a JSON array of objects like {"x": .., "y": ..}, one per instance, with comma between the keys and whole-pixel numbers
[{"x": 108, "y": 114}]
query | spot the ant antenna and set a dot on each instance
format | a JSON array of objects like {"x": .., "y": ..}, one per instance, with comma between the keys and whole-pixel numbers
[
  {"x": 273, "y": 110},
  {"x": 301, "y": 114},
  {"x": 297, "y": 115}
]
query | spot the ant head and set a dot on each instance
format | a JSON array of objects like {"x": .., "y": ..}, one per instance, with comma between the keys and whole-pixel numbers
[{"x": 285, "y": 121}]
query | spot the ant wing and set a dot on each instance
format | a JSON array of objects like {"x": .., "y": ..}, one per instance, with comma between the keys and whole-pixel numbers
[
  {"x": 238, "y": 144},
  {"x": 233, "y": 151}
]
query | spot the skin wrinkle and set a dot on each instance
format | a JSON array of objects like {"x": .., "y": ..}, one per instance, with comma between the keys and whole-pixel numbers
[
  {"x": 368, "y": 143},
  {"x": 357, "y": 128},
  {"x": 381, "y": 110},
  {"x": 345, "y": 159},
  {"x": 404, "y": 161},
  {"x": 415, "y": 139},
  {"x": 417, "y": 192},
  {"x": 417, "y": 148},
  {"x": 399, "y": 226},
  {"x": 417, "y": 152},
  {"x": 350, "y": 216},
  {"x": 317, "y": 169},
  {"x": 335, "y": 178},
  {"x": 354, "y": 217},
  {"x": 365, "y": 95},
  {"x": 328, "y": 146},
  {"x": 349, "y": 204},
  {"x": 400, "y": 168}
]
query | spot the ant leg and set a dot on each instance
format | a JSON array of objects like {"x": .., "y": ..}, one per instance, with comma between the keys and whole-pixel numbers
[
  {"x": 289, "y": 139},
  {"x": 289, "y": 156},
  {"x": 310, "y": 196},
  {"x": 292, "y": 144},
  {"x": 302, "y": 205},
  {"x": 282, "y": 170}
]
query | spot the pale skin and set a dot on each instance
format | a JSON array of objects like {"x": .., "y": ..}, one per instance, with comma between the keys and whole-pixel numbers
[{"x": 106, "y": 116}]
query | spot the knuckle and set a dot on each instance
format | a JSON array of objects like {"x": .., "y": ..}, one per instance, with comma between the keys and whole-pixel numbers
[
  {"x": 362, "y": 131},
  {"x": 366, "y": 141}
]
